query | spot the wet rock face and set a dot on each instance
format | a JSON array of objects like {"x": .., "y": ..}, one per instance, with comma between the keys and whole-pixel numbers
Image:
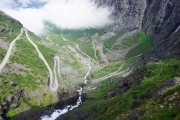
[
  {"x": 161, "y": 23},
  {"x": 127, "y": 14}
]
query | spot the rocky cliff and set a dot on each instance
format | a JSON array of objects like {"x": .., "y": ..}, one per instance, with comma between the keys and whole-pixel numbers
[
  {"x": 159, "y": 19},
  {"x": 127, "y": 14},
  {"x": 161, "y": 23}
]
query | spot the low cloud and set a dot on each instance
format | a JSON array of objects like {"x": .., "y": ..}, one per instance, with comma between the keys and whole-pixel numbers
[{"x": 67, "y": 14}]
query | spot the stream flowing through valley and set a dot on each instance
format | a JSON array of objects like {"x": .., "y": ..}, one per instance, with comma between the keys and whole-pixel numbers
[{"x": 60, "y": 112}]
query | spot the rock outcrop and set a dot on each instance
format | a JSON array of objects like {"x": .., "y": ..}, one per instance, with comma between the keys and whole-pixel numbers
[
  {"x": 159, "y": 19},
  {"x": 127, "y": 14},
  {"x": 161, "y": 23}
]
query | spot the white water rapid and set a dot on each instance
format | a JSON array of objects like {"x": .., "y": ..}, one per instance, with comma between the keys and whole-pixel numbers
[{"x": 60, "y": 112}]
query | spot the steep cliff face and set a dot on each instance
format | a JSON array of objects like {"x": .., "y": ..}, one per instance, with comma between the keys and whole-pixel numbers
[
  {"x": 159, "y": 19},
  {"x": 161, "y": 23},
  {"x": 127, "y": 14}
]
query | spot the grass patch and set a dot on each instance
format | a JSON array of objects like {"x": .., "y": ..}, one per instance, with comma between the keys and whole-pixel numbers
[
  {"x": 110, "y": 42},
  {"x": 14, "y": 112},
  {"x": 47, "y": 99},
  {"x": 143, "y": 46}
]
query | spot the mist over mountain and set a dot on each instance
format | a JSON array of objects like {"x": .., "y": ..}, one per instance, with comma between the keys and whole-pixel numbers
[{"x": 66, "y": 14}]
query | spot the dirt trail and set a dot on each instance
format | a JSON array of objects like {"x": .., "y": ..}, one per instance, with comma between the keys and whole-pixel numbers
[
  {"x": 118, "y": 72},
  {"x": 6, "y": 58},
  {"x": 77, "y": 46},
  {"x": 129, "y": 34},
  {"x": 107, "y": 48},
  {"x": 85, "y": 62},
  {"x": 58, "y": 69},
  {"x": 53, "y": 84},
  {"x": 103, "y": 57},
  {"x": 95, "y": 54}
]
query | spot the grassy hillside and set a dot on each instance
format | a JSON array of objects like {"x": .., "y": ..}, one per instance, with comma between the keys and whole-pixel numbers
[
  {"x": 24, "y": 79},
  {"x": 148, "y": 91},
  {"x": 142, "y": 96}
]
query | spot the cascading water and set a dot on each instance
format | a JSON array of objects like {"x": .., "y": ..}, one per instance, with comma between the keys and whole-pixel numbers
[{"x": 60, "y": 112}]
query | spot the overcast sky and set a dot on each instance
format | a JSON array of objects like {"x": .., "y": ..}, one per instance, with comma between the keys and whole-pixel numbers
[{"x": 71, "y": 14}]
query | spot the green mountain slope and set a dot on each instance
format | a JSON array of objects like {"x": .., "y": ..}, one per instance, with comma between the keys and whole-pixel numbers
[
  {"x": 147, "y": 91},
  {"x": 24, "y": 79}
]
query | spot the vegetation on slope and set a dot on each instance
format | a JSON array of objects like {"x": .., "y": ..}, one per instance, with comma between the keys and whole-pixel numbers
[
  {"x": 25, "y": 72},
  {"x": 137, "y": 96},
  {"x": 34, "y": 76},
  {"x": 9, "y": 27},
  {"x": 143, "y": 46},
  {"x": 2, "y": 54},
  {"x": 110, "y": 42}
]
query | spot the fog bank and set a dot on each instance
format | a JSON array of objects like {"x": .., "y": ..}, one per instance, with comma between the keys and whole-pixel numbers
[{"x": 66, "y": 14}]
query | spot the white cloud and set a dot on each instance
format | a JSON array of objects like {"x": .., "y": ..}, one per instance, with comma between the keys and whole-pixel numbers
[
  {"x": 71, "y": 14},
  {"x": 31, "y": 19}
]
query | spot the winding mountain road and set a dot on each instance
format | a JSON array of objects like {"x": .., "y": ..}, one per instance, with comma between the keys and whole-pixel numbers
[
  {"x": 53, "y": 85},
  {"x": 77, "y": 46},
  {"x": 106, "y": 48},
  {"x": 102, "y": 55},
  {"x": 5, "y": 60},
  {"x": 118, "y": 72},
  {"x": 95, "y": 54},
  {"x": 85, "y": 62},
  {"x": 58, "y": 69},
  {"x": 60, "y": 112}
]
